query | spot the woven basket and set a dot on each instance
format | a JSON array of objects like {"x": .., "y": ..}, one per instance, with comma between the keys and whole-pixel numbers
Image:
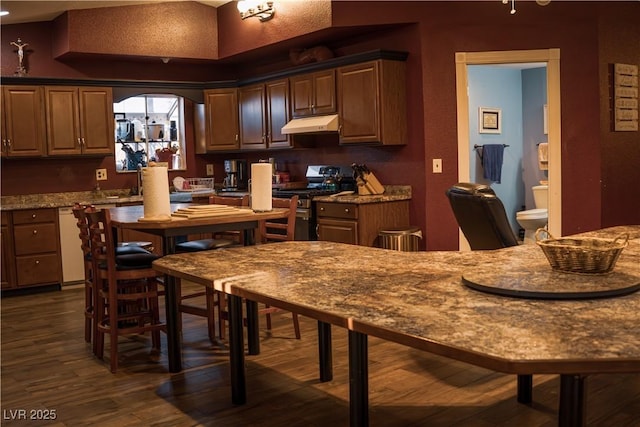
[{"x": 581, "y": 255}]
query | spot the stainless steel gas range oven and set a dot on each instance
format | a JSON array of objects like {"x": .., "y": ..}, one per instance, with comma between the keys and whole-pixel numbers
[{"x": 322, "y": 180}]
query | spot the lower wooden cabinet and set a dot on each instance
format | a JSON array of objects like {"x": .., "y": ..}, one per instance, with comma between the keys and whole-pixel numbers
[
  {"x": 359, "y": 223},
  {"x": 8, "y": 267},
  {"x": 30, "y": 248}
]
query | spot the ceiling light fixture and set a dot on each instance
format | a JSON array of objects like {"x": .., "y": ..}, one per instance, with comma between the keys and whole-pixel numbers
[
  {"x": 263, "y": 10},
  {"x": 513, "y": 4}
]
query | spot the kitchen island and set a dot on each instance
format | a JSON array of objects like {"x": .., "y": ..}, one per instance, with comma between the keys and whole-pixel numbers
[{"x": 418, "y": 299}]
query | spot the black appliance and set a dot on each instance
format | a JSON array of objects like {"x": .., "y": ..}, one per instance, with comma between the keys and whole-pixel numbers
[
  {"x": 236, "y": 178},
  {"x": 322, "y": 180}
]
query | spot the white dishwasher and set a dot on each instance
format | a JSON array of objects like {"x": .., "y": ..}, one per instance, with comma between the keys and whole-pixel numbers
[{"x": 72, "y": 263}]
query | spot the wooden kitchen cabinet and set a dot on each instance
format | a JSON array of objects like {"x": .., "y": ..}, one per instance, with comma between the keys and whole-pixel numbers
[
  {"x": 264, "y": 110},
  {"x": 7, "y": 268},
  {"x": 313, "y": 94},
  {"x": 34, "y": 247},
  {"x": 372, "y": 103},
  {"x": 221, "y": 130},
  {"x": 359, "y": 224},
  {"x": 79, "y": 120},
  {"x": 23, "y": 121}
]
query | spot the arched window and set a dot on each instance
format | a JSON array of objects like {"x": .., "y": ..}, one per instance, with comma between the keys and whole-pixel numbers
[{"x": 149, "y": 128}]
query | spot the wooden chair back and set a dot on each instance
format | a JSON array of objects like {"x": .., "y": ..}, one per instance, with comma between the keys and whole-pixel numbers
[
  {"x": 83, "y": 228},
  {"x": 125, "y": 288},
  {"x": 280, "y": 230},
  {"x": 229, "y": 201}
]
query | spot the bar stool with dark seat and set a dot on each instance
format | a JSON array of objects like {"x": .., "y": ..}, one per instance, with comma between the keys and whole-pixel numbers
[
  {"x": 125, "y": 289},
  {"x": 85, "y": 244},
  {"x": 273, "y": 231},
  {"x": 212, "y": 298}
]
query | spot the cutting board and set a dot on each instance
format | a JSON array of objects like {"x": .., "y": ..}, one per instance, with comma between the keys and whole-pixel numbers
[{"x": 205, "y": 211}]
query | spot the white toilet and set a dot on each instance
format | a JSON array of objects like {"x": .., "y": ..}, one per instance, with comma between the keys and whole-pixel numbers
[{"x": 533, "y": 219}]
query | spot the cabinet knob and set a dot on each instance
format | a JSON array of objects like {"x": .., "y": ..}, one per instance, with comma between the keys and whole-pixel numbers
[
  {"x": 322, "y": 209},
  {"x": 82, "y": 142},
  {"x": 35, "y": 231},
  {"x": 37, "y": 262},
  {"x": 346, "y": 210},
  {"x": 33, "y": 216},
  {"x": 8, "y": 144},
  {"x": 79, "y": 143}
]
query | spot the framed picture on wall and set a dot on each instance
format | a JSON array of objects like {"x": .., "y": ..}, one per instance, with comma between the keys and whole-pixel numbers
[{"x": 489, "y": 120}]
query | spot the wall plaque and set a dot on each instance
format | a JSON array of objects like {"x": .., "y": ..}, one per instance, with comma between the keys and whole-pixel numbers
[{"x": 625, "y": 97}]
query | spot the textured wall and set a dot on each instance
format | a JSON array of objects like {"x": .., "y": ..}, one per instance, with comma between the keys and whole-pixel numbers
[
  {"x": 171, "y": 30},
  {"x": 598, "y": 165}
]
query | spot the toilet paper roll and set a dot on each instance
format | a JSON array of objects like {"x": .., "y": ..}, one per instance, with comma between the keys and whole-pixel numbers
[
  {"x": 261, "y": 176},
  {"x": 155, "y": 194}
]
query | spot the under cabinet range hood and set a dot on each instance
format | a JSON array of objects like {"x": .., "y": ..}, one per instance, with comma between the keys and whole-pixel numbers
[{"x": 315, "y": 124}]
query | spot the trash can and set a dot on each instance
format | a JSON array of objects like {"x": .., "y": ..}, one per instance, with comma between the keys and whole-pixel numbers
[{"x": 404, "y": 239}]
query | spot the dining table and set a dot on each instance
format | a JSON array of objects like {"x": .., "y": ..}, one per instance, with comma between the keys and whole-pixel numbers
[
  {"x": 240, "y": 219},
  {"x": 427, "y": 300}
]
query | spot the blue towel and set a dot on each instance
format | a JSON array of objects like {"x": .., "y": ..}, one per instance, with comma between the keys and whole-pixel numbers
[{"x": 492, "y": 161}]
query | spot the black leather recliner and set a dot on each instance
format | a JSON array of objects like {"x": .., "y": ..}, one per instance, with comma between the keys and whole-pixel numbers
[
  {"x": 483, "y": 220},
  {"x": 481, "y": 216}
]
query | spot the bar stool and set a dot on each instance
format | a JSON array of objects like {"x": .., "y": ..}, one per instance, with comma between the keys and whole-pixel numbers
[
  {"x": 85, "y": 244},
  {"x": 125, "y": 289},
  {"x": 212, "y": 298}
]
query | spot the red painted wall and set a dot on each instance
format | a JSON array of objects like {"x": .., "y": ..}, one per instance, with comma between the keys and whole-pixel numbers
[{"x": 597, "y": 164}]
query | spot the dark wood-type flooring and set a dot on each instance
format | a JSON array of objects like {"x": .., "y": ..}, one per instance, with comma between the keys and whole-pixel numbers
[{"x": 46, "y": 365}]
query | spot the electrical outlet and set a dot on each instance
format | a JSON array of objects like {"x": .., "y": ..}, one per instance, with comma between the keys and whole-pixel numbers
[
  {"x": 437, "y": 165},
  {"x": 101, "y": 174},
  {"x": 209, "y": 170}
]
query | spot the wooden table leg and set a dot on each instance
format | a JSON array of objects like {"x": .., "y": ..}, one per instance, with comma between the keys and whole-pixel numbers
[
  {"x": 358, "y": 380},
  {"x": 236, "y": 351},
  {"x": 324, "y": 351},
  {"x": 571, "y": 411}
]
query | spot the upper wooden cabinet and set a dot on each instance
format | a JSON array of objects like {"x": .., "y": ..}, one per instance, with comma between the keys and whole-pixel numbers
[
  {"x": 221, "y": 119},
  {"x": 79, "y": 120},
  {"x": 313, "y": 94},
  {"x": 372, "y": 103},
  {"x": 22, "y": 121},
  {"x": 264, "y": 110}
]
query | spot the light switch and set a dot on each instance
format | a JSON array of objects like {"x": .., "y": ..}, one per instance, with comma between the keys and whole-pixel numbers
[
  {"x": 209, "y": 170},
  {"x": 437, "y": 165}
]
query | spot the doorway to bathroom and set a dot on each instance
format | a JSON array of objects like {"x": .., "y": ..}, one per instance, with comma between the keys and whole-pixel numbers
[{"x": 540, "y": 67}]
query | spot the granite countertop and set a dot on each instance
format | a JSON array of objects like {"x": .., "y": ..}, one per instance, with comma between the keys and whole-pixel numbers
[
  {"x": 419, "y": 299},
  {"x": 61, "y": 200},
  {"x": 103, "y": 197},
  {"x": 391, "y": 193}
]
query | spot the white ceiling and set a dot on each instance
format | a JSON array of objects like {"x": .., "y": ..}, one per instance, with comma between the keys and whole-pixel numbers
[{"x": 35, "y": 11}]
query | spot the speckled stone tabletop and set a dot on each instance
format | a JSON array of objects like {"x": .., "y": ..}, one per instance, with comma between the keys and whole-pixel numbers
[{"x": 419, "y": 299}]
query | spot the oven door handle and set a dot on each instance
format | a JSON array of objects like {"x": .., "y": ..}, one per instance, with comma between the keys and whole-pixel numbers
[{"x": 303, "y": 214}]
